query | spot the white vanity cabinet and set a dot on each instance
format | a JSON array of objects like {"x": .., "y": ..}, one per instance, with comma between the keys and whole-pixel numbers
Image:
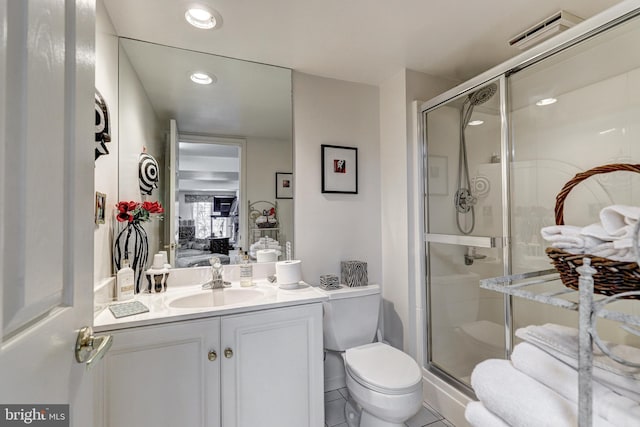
[
  {"x": 161, "y": 375},
  {"x": 275, "y": 376},
  {"x": 262, "y": 368}
]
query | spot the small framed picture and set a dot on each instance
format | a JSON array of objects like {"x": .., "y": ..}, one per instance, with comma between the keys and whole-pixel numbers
[
  {"x": 101, "y": 199},
  {"x": 284, "y": 185},
  {"x": 339, "y": 169},
  {"x": 437, "y": 175}
]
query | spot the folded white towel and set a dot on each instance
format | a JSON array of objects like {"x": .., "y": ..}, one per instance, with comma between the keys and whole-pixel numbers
[
  {"x": 621, "y": 235},
  {"x": 562, "y": 343},
  {"x": 608, "y": 250},
  {"x": 592, "y": 239},
  {"x": 479, "y": 416},
  {"x": 563, "y": 236},
  {"x": 562, "y": 378},
  {"x": 522, "y": 401},
  {"x": 617, "y": 219}
]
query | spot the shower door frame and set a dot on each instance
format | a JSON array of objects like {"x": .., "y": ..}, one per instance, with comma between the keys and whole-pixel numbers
[
  {"x": 610, "y": 18},
  {"x": 493, "y": 241}
]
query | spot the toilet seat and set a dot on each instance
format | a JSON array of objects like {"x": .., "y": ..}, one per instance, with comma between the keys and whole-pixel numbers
[{"x": 382, "y": 368}]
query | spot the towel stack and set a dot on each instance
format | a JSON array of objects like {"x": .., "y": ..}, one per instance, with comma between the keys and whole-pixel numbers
[
  {"x": 265, "y": 243},
  {"x": 539, "y": 385},
  {"x": 611, "y": 238}
]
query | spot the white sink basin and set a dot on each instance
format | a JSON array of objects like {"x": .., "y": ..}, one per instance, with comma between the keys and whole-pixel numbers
[{"x": 217, "y": 298}]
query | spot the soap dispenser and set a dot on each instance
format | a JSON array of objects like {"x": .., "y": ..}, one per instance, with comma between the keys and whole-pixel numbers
[
  {"x": 125, "y": 282},
  {"x": 246, "y": 271}
]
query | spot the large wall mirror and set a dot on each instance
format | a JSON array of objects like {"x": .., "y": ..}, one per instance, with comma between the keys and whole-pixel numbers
[{"x": 220, "y": 146}]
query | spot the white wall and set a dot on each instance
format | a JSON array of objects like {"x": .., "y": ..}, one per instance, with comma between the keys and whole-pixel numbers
[
  {"x": 330, "y": 228},
  {"x": 106, "y": 166},
  {"x": 265, "y": 157},
  {"x": 400, "y": 209},
  {"x": 139, "y": 129}
]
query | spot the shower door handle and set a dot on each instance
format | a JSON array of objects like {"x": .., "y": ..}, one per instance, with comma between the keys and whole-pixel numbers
[{"x": 462, "y": 240}]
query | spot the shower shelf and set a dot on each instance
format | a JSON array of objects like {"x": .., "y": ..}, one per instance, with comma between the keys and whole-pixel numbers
[{"x": 546, "y": 287}]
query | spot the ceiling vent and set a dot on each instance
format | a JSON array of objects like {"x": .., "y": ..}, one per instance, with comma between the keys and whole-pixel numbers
[{"x": 555, "y": 24}]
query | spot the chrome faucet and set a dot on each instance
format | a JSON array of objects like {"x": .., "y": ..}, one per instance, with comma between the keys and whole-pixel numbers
[
  {"x": 216, "y": 281},
  {"x": 471, "y": 255}
]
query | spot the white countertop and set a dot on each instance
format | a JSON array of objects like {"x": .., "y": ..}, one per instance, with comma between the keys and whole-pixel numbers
[{"x": 161, "y": 312}]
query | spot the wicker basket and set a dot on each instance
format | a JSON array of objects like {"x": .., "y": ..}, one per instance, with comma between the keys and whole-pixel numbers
[{"x": 612, "y": 277}]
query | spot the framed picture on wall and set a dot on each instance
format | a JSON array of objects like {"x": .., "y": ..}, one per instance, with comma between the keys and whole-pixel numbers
[
  {"x": 339, "y": 169},
  {"x": 437, "y": 175},
  {"x": 284, "y": 185},
  {"x": 101, "y": 199}
]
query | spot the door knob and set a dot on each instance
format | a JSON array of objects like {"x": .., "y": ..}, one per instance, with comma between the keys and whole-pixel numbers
[
  {"x": 212, "y": 355},
  {"x": 228, "y": 353},
  {"x": 86, "y": 350}
]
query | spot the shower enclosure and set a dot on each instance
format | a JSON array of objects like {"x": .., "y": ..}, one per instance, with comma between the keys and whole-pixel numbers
[{"x": 498, "y": 149}]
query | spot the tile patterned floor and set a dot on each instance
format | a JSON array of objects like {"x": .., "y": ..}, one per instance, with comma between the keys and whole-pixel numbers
[{"x": 335, "y": 400}]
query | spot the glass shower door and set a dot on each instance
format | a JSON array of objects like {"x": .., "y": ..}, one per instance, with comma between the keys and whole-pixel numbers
[
  {"x": 464, "y": 231},
  {"x": 573, "y": 111}
]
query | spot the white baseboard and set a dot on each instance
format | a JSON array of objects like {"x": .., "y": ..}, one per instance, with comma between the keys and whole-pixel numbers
[{"x": 447, "y": 400}]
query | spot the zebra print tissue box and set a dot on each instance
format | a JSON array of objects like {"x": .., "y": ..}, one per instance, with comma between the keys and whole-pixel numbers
[{"x": 354, "y": 273}]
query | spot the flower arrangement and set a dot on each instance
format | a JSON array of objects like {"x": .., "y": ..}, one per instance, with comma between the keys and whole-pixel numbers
[{"x": 135, "y": 212}]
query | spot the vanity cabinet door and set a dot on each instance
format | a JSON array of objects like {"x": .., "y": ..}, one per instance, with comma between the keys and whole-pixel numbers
[
  {"x": 161, "y": 375},
  {"x": 272, "y": 371}
]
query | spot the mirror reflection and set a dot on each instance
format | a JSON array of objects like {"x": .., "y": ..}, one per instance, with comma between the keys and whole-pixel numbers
[{"x": 220, "y": 129}]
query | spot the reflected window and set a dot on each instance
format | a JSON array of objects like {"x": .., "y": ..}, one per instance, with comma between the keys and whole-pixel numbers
[{"x": 202, "y": 218}]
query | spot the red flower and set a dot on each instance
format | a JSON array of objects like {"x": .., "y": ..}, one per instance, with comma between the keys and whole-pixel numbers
[
  {"x": 123, "y": 206},
  {"x": 152, "y": 207},
  {"x": 123, "y": 216},
  {"x": 137, "y": 212}
]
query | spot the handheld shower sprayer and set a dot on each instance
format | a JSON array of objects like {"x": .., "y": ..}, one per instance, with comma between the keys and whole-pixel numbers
[{"x": 463, "y": 199}]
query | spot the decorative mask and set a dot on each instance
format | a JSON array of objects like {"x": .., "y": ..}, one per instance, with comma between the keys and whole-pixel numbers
[
  {"x": 148, "y": 173},
  {"x": 102, "y": 126}
]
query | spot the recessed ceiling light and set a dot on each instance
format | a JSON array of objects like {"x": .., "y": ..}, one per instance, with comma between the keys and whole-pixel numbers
[
  {"x": 476, "y": 122},
  {"x": 203, "y": 17},
  {"x": 202, "y": 78},
  {"x": 546, "y": 101}
]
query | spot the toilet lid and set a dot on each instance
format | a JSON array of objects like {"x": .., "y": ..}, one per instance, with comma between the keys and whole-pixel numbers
[{"x": 383, "y": 368}]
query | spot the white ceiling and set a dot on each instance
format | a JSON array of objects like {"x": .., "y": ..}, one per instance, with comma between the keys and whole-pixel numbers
[{"x": 356, "y": 40}]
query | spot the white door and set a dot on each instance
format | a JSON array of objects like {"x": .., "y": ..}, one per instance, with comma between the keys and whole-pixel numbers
[
  {"x": 171, "y": 209},
  {"x": 46, "y": 204}
]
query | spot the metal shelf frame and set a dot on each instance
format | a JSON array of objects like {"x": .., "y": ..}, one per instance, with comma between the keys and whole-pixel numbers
[{"x": 589, "y": 306}]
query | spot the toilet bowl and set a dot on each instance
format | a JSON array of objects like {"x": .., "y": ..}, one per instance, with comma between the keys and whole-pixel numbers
[{"x": 384, "y": 384}]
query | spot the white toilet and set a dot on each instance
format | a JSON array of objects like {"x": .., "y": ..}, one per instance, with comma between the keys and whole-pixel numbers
[{"x": 384, "y": 383}]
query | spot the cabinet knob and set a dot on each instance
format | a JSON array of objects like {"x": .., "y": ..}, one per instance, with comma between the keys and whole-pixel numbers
[
  {"x": 228, "y": 353},
  {"x": 212, "y": 355}
]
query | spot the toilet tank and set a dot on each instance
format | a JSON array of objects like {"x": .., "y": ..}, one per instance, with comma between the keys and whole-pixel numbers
[{"x": 351, "y": 317}]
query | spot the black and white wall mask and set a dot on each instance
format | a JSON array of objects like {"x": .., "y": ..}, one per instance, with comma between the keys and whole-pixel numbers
[
  {"x": 148, "y": 173},
  {"x": 102, "y": 126}
]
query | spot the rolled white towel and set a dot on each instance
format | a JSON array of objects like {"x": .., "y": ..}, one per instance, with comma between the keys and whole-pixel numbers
[
  {"x": 522, "y": 401},
  {"x": 617, "y": 219},
  {"x": 562, "y": 343},
  {"x": 562, "y": 378},
  {"x": 479, "y": 416}
]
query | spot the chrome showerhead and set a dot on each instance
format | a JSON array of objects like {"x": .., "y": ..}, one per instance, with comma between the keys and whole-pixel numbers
[{"x": 482, "y": 95}]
